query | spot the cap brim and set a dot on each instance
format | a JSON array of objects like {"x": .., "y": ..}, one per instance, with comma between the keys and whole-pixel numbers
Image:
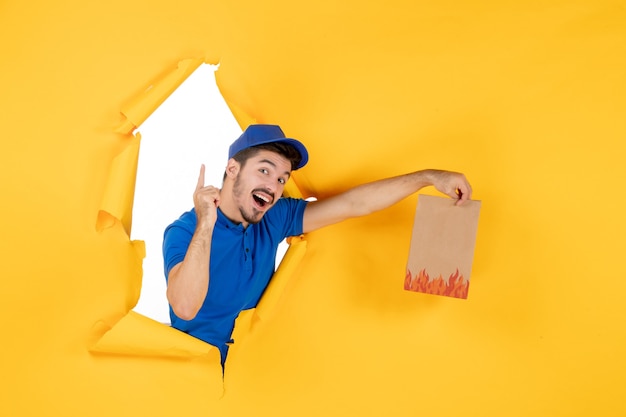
[{"x": 301, "y": 149}]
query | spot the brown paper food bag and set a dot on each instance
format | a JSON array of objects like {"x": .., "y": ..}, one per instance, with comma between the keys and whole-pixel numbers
[{"x": 442, "y": 246}]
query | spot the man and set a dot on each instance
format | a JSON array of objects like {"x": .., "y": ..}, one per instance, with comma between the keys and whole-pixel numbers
[{"x": 219, "y": 257}]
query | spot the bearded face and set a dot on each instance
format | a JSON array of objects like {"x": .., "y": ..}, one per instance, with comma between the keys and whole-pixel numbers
[{"x": 259, "y": 184}]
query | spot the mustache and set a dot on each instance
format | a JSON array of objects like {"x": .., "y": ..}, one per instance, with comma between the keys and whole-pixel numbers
[{"x": 265, "y": 191}]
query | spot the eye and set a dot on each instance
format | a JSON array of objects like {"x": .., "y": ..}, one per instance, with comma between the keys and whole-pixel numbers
[
  {"x": 282, "y": 181},
  {"x": 264, "y": 171}
]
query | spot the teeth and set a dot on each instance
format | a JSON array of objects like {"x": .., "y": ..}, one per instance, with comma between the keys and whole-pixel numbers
[{"x": 262, "y": 197}]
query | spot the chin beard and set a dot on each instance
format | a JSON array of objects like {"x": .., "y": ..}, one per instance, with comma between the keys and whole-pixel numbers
[{"x": 251, "y": 219}]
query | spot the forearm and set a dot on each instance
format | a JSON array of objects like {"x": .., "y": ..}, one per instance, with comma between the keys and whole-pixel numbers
[
  {"x": 374, "y": 196},
  {"x": 188, "y": 282}
]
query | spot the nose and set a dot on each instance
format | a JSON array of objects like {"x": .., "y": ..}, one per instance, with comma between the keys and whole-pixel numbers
[{"x": 270, "y": 186}]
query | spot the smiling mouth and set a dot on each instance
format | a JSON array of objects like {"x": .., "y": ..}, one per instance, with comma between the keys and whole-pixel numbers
[{"x": 262, "y": 199}]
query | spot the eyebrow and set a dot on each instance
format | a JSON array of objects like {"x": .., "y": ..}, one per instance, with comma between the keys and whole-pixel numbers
[{"x": 267, "y": 161}]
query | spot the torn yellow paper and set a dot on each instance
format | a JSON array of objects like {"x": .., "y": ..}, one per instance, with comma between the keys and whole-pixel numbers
[
  {"x": 117, "y": 199},
  {"x": 143, "y": 105},
  {"x": 137, "y": 335}
]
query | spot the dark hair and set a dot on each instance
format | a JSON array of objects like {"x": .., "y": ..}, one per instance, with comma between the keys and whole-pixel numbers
[{"x": 281, "y": 148}]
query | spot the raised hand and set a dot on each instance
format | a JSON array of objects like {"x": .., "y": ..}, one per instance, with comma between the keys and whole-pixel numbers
[{"x": 206, "y": 200}]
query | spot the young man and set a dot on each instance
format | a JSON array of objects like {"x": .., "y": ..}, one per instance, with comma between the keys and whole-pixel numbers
[{"x": 219, "y": 257}]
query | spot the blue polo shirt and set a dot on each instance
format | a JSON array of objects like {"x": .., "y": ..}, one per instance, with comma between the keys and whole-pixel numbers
[{"x": 242, "y": 263}]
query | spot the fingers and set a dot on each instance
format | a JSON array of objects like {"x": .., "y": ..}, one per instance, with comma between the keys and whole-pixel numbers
[
  {"x": 206, "y": 201},
  {"x": 454, "y": 185},
  {"x": 200, "y": 178},
  {"x": 461, "y": 197},
  {"x": 208, "y": 195},
  {"x": 205, "y": 196},
  {"x": 215, "y": 195},
  {"x": 463, "y": 190}
]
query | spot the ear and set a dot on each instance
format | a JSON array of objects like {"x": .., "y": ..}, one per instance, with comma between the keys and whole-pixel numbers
[{"x": 232, "y": 168}]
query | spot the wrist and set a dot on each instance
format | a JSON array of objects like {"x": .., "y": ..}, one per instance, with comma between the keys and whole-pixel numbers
[
  {"x": 427, "y": 177},
  {"x": 205, "y": 226}
]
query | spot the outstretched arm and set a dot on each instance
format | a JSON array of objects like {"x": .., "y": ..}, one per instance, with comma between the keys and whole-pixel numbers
[
  {"x": 188, "y": 281},
  {"x": 368, "y": 198}
]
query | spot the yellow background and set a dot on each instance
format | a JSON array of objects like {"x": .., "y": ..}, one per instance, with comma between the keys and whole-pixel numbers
[{"x": 526, "y": 98}]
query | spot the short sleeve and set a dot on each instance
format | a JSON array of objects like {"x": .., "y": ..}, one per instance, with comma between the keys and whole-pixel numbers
[
  {"x": 176, "y": 239},
  {"x": 288, "y": 215}
]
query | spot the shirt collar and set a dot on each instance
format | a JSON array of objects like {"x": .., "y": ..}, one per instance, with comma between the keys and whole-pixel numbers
[{"x": 226, "y": 222}]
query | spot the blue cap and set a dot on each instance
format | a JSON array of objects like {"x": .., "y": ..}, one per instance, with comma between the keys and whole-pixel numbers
[{"x": 261, "y": 134}]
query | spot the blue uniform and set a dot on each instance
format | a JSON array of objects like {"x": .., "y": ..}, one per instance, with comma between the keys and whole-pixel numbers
[{"x": 242, "y": 263}]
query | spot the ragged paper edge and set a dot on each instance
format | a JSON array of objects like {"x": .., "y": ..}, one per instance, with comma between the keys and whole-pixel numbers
[
  {"x": 252, "y": 320},
  {"x": 249, "y": 320},
  {"x": 137, "y": 335},
  {"x": 286, "y": 269},
  {"x": 140, "y": 107},
  {"x": 119, "y": 190}
]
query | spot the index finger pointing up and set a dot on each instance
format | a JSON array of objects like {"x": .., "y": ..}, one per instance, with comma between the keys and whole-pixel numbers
[{"x": 200, "y": 178}]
